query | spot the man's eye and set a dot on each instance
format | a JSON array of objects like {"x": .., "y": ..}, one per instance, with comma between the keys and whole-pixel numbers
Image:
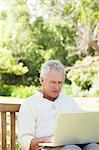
[{"x": 53, "y": 82}]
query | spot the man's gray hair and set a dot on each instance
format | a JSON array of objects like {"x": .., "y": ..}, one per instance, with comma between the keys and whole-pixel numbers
[{"x": 51, "y": 65}]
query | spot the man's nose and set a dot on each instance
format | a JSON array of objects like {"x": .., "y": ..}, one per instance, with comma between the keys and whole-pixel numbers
[{"x": 57, "y": 86}]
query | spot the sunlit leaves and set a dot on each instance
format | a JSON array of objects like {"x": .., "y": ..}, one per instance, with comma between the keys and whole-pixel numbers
[
  {"x": 85, "y": 77},
  {"x": 9, "y": 65}
]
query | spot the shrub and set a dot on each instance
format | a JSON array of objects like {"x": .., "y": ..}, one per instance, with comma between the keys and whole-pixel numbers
[
  {"x": 23, "y": 91},
  {"x": 84, "y": 80},
  {"x": 5, "y": 90},
  {"x": 67, "y": 89},
  {"x": 16, "y": 91}
]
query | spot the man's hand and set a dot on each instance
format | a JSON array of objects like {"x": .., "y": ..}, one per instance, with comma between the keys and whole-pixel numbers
[{"x": 35, "y": 142}]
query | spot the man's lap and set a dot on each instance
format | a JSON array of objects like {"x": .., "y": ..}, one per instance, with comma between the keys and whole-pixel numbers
[{"x": 91, "y": 146}]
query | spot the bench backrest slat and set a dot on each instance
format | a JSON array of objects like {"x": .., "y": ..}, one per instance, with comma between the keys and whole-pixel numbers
[
  {"x": 9, "y": 107},
  {"x": 12, "y": 108}
]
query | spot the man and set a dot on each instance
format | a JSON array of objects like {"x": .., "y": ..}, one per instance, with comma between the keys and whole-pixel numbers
[{"x": 37, "y": 116}]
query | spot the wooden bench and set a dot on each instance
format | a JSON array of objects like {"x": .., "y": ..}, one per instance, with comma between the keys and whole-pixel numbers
[{"x": 11, "y": 106}]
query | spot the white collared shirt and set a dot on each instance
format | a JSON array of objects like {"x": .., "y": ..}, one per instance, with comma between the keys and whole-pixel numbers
[{"x": 37, "y": 116}]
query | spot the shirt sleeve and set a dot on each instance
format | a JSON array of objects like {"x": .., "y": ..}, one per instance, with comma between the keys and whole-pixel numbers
[{"x": 26, "y": 125}]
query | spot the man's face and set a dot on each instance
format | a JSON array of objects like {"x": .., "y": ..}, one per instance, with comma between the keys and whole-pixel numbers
[{"x": 52, "y": 84}]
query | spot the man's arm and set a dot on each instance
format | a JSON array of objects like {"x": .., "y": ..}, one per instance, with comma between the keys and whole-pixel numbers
[
  {"x": 26, "y": 124},
  {"x": 34, "y": 142}
]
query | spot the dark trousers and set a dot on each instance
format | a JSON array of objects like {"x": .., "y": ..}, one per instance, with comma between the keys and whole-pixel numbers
[{"x": 92, "y": 146}]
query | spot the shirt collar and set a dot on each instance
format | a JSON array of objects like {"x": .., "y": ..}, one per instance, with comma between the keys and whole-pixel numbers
[{"x": 39, "y": 93}]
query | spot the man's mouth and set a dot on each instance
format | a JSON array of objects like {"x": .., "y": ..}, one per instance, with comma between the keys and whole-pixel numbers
[{"x": 55, "y": 91}]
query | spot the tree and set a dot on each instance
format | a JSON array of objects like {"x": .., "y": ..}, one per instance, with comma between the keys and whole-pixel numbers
[
  {"x": 82, "y": 14},
  {"x": 18, "y": 44},
  {"x": 9, "y": 65},
  {"x": 52, "y": 35}
]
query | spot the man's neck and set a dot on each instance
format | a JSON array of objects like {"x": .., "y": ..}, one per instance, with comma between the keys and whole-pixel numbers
[{"x": 47, "y": 96}]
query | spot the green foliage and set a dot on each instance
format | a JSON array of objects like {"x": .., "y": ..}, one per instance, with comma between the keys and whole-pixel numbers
[
  {"x": 2, "y": 15},
  {"x": 89, "y": 9},
  {"x": 23, "y": 91},
  {"x": 55, "y": 42},
  {"x": 43, "y": 42},
  {"x": 33, "y": 60},
  {"x": 9, "y": 65},
  {"x": 13, "y": 28},
  {"x": 17, "y": 91},
  {"x": 67, "y": 89},
  {"x": 24, "y": 46},
  {"x": 85, "y": 79},
  {"x": 5, "y": 90}
]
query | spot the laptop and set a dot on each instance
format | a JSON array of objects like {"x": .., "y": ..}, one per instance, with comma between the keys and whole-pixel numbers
[{"x": 75, "y": 128}]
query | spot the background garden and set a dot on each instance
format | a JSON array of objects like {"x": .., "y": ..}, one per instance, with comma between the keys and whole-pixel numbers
[{"x": 32, "y": 32}]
